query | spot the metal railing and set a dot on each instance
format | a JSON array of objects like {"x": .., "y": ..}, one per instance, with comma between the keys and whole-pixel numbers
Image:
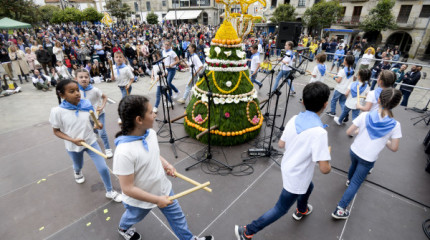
[{"x": 349, "y": 20}]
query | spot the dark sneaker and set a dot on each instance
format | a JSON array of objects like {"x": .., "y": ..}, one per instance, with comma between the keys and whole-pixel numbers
[
  {"x": 240, "y": 231},
  {"x": 298, "y": 215},
  {"x": 130, "y": 234},
  {"x": 340, "y": 213},
  {"x": 204, "y": 238},
  {"x": 346, "y": 119},
  {"x": 331, "y": 114}
]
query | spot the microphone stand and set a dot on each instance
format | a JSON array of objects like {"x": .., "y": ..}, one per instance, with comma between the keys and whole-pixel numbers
[
  {"x": 272, "y": 72},
  {"x": 208, "y": 153}
]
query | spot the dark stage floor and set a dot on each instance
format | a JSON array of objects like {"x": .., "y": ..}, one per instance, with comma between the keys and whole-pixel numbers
[{"x": 40, "y": 200}]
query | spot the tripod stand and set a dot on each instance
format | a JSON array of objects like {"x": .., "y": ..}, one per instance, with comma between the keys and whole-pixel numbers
[
  {"x": 208, "y": 153},
  {"x": 272, "y": 72},
  {"x": 165, "y": 97}
]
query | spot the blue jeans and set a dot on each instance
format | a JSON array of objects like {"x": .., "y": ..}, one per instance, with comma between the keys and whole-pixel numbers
[
  {"x": 405, "y": 99},
  {"x": 170, "y": 75},
  {"x": 337, "y": 96},
  {"x": 285, "y": 201},
  {"x": 189, "y": 86},
  {"x": 356, "y": 175},
  {"x": 282, "y": 74},
  {"x": 311, "y": 55},
  {"x": 173, "y": 213},
  {"x": 330, "y": 55},
  {"x": 254, "y": 79},
  {"x": 124, "y": 91},
  {"x": 373, "y": 80},
  {"x": 102, "y": 132},
  {"x": 78, "y": 164},
  {"x": 345, "y": 112}
]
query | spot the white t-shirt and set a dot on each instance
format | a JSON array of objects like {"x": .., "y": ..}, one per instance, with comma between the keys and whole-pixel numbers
[
  {"x": 366, "y": 59},
  {"x": 94, "y": 96},
  {"x": 364, "y": 146},
  {"x": 155, "y": 70},
  {"x": 372, "y": 99},
  {"x": 351, "y": 102},
  {"x": 285, "y": 67},
  {"x": 302, "y": 151},
  {"x": 125, "y": 74},
  {"x": 194, "y": 59},
  {"x": 255, "y": 60},
  {"x": 344, "y": 83},
  {"x": 149, "y": 175},
  {"x": 74, "y": 126},
  {"x": 170, "y": 57},
  {"x": 63, "y": 72},
  {"x": 319, "y": 77}
]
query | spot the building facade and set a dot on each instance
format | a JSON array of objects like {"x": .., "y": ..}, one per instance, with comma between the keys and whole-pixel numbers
[
  {"x": 205, "y": 12},
  {"x": 141, "y": 8},
  {"x": 79, "y": 4}
]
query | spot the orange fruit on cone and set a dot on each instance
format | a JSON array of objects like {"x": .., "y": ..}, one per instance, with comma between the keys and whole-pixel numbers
[
  {"x": 228, "y": 42},
  {"x": 224, "y": 134},
  {"x": 224, "y": 41},
  {"x": 228, "y": 134}
]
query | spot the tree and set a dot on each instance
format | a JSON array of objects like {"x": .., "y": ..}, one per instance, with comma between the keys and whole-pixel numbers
[
  {"x": 67, "y": 15},
  {"x": 380, "y": 17},
  {"x": 47, "y": 11},
  {"x": 152, "y": 18},
  {"x": 322, "y": 14},
  {"x": 91, "y": 14},
  {"x": 117, "y": 9},
  {"x": 21, "y": 10},
  {"x": 284, "y": 13}
]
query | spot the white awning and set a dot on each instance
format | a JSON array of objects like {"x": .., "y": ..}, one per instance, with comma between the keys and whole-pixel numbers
[
  {"x": 171, "y": 15},
  {"x": 192, "y": 14}
]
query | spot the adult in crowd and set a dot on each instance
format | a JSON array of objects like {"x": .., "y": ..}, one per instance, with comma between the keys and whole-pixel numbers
[
  {"x": 20, "y": 66},
  {"x": 410, "y": 78},
  {"x": 44, "y": 58}
]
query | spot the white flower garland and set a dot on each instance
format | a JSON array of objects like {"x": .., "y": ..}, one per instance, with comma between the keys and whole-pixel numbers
[
  {"x": 228, "y": 62},
  {"x": 223, "y": 99},
  {"x": 226, "y": 46},
  {"x": 227, "y": 69}
]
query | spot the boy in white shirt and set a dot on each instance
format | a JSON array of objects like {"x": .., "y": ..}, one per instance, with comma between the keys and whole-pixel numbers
[
  {"x": 122, "y": 74},
  {"x": 255, "y": 65},
  {"x": 305, "y": 142},
  {"x": 195, "y": 67},
  {"x": 320, "y": 69}
]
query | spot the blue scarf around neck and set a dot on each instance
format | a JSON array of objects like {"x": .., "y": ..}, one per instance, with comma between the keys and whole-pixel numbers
[
  {"x": 378, "y": 92},
  {"x": 306, "y": 120},
  {"x": 129, "y": 138},
  {"x": 83, "y": 105},
  {"x": 349, "y": 73},
  {"x": 120, "y": 67},
  {"x": 354, "y": 88},
  {"x": 322, "y": 69},
  {"x": 88, "y": 88},
  {"x": 377, "y": 127}
]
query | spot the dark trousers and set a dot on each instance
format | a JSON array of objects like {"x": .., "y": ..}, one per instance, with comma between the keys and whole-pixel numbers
[{"x": 406, "y": 95}]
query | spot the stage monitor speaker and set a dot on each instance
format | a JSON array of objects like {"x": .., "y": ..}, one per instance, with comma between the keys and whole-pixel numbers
[{"x": 288, "y": 31}]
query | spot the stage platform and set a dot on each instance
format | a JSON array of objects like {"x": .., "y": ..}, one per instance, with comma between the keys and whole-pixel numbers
[{"x": 39, "y": 198}]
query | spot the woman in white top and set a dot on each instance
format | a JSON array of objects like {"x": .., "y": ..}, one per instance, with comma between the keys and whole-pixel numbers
[
  {"x": 62, "y": 70},
  {"x": 366, "y": 59},
  {"x": 376, "y": 129},
  {"x": 58, "y": 51}
]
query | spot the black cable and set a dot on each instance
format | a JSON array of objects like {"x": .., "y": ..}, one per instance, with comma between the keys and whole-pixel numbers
[{"x": 426, "y": 228}]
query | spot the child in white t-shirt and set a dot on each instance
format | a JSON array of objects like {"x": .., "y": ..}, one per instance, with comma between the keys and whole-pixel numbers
[
  {"x": 344, "y": 78},
  {"x": 306, "y": 143},
  {"x": 319, "y": 71},
  {"x": 193, "y": 60},
  {"x": 352, "y": 94},
  {"x": 376, "y": 129},
  {"x": 71, "y": 122},
  {"x": 98, "y": 100},
  {"x": 386, "y": 79},
  {"x": 142, "y": 171},
  {"x": 122, "y": 74}
]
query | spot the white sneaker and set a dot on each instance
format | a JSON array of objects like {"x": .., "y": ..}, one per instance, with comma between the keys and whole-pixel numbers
[
  {"x": 109, "y": 153},
  {"x": 114, "y": 195},
  {"x": 181, "y": 100},
  {"x": 79, "y": 177},
  {"x": 119, "y": 121},
  {"x": 155, "y": 110},
  {"x": 176, "y": 95},
  {"x": 336, "y": 120}
]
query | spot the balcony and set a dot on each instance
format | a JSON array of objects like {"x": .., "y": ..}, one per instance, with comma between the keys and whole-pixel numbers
[
  {"x": 349, "y": 21},
  {"x": 346, "y": 1},
  {"x": 406, "y": 22}
]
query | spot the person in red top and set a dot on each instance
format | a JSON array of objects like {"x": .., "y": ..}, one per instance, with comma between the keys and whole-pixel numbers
[{"x": 116, "y": 48}]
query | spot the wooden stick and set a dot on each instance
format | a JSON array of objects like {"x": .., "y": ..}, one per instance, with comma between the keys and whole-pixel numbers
[
  {"x": 176, "y": 119},
  {"x": 206, "y": 131},
  {"x": 265, "y": 100},
  {"x": 96, "y": 121},
  {"x": 153, "y": 85},
  {"x": 126, "y": 89},
  {"x": 186, "y": 192},
  {"x": 191, "y": 181},
  {"x": 93, "y": 149}
]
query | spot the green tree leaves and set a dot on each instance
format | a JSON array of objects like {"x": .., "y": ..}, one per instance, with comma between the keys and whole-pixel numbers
[
  {"x": 284, "y": 13},
  {"x": 152, "y": 18},
  {"x": 322, "y": 14},
  {"x": 380, "y": 17}
]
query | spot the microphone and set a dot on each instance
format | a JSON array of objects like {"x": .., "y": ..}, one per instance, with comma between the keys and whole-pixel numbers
[
  {"x": 159, "y": 60},
  {"x": 307, "y": 58},
  {"x": 297, "y": 70}
]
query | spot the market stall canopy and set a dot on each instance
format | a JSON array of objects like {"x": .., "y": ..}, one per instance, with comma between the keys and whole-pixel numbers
[
  {"x": 182, "y": 15},
  {"x": 7, "y": 23}
]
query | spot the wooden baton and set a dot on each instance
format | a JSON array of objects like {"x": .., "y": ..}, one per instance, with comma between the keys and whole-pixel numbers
[
  {"x": 96, "y": 121},
  {"x": 176, "y": 119},
  {"x": 186, "y": 192},
  {"x": 94, "y": 150},
  {"x": 206, "y": 131},
  {"x": 191, "y": 181}
]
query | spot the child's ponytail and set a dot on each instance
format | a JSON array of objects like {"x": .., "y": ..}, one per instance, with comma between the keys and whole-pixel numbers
[
  {"x": 389, "y": 99},
  {"x": 129, "y": 108}
]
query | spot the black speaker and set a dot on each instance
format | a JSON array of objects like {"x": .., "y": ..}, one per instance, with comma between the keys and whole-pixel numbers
[{"x": 288, "y": 31}]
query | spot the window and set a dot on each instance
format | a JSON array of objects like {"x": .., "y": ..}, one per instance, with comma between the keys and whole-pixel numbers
[
  {"x": 405, "y": 10},
  {"x": 164, "y": 3},
  {"x": 184, "y": 3},
  {"x": 274, "y": 3},
  {"x": 302, "y": 3},
  {"x": 136, "y": 7},
  {"x": 425, "y": 11},
  {"x": 175, "y": 3},
  {"x": 148, "y": 6},
  {"x": 194, "y": 3},
  {"x": 205, "y": 2}
]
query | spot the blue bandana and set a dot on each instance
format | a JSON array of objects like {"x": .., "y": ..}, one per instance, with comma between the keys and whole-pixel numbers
[
  {"x": 306, "y": 120},
  {"x": 349, "y": 73},
  {"x": 83, "y": 105},
  {"x": 354, "y": 88},
  {"x": 377, "y": 127},
  {"x": 378, "y": 91},
  {"x": 322, "y": 69},
  {"x": 170, "y": 49},
  {"x": 126, "y": 139},
  {"x": 88, "y": 88},
  {"x": 119, "y": 67}
]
